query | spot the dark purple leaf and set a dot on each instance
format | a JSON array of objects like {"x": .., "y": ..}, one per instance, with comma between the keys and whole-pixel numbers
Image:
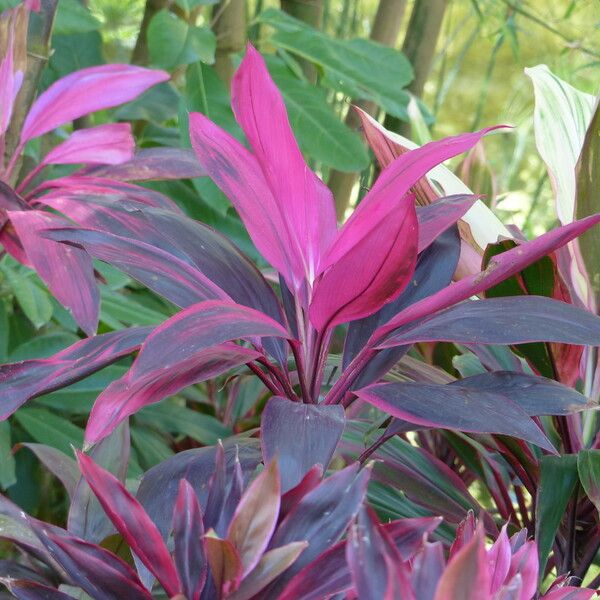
[
  {"x": 513, "y": 320},
  {"x": 160, "y": 271},
  {"x": 67, "y": 271},
  {"x": 97, "y": 571},
  {"x": 434, "y": 271},
  {"x": 321, "y": 518},
  {"x": 132, "y": 523},
  {"x": 58, "y": 463},
  {"x": 24, "y": 380},
  {"x": 10, "y": 200},
  {"x": 285, "y": 422},
  {"x": 329, "y": 574},
  {"x": 29, "y": 590},
  {"x": 427, "y": 569},
  {"x": 152, "y": 164},
  {"x": 373, "y": 564},
  {"x": 452, "y": 407},
  {"x": 535, "y": 395},
  {"x": 188, "y": 531}
]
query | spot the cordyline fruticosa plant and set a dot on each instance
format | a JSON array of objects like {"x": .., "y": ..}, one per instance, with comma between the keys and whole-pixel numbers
[
  {"x": 383, "y": 277},
  {"x": 107, "y": 151},
  {"x": 251, "y": 542}
]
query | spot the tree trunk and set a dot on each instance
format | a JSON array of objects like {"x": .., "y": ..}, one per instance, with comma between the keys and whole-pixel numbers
[
  {"x": 140, "y": 54},
  {"x": 38, "y": 52},
  {"x": 419, "y": 47},
  {"x": 311, "y": 13},
  {"x": 229, "y": 25},
  {"x": 385, "y": 30}
]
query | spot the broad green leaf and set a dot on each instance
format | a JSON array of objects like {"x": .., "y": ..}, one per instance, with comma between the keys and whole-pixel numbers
[
  {"x": 127, "y": 311},
  {"x": 48, "y": 428},
  {"x": 588, "y": 201},
  {"x": 31, "y": 298},
  {"x": 173, "y": 42},
  {"x": 359, "y": 68},
  {"x": 168, "y": 416},
  {"x": 156, "y": 105},
  {"x": 588, "y": 465},
  {"x": 71, "y": 53},
  {"x": 560, "y": 118},
  {"x": 558, "y": 478},
  {"x": 4, "y": 332},
  {"x": 150, "y": 447},
  {"x": 7, "y": 460},
  {"x": 73, "y": 17},
  {"x": 43, "y": 346},
  {"x": 320, "y": 133}
]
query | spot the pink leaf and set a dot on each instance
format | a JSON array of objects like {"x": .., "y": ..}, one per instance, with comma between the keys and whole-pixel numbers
[
  {"x": 67, "y": 270},
  {"x": 255, "y": 517},
  {"x": 183, "y": 350},
  {"x": 500, "y": 268},
  {"x": 300, "y": 195},
  {"x": 466, "y": 576},
  {"x": 237, "y": 173},
  {"x": 109, "y": 144},
  {"x": 131, "y": 522},
  {"x": 87, "y": 91}
]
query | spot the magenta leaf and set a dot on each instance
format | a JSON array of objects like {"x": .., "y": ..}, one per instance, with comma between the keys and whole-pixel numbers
[
  {"x": 237, "y": 173},
  {"x": 188, "y": 531},
  {"x": 500, "y": 268},
  {"x": 283, "y": 422},
  {"x": 151, "y": 164},
  {"x": 87, "y": 91},
  {"x": 434, "y": 271},
  {"x": 97, "y": 571},
  {"x": 301, "y": 197},
  {"x": 139, "y": 388},
  {"x": 67, "y": 270},
  {"x": 24, "y": 380},
  {"x": 359, "y": 276},
  {"x": 437, "y": 217},
  {"x": 454, "y": 407},
  {"x": 132, "y": 523},
  {"x": 372, "y": 259},
  {"x": 109, "y": 144},
  {"x": 510, "y": 320}
]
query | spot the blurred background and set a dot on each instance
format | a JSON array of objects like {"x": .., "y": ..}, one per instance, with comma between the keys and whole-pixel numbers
[{"x": 468, "y": 57}]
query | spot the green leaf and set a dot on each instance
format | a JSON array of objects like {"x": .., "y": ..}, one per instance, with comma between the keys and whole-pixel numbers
[
  {"x": 73, "y": 52},
  {"x": 156, "y": 105},
  {"x": 43, "y": 346},
  {"x": 588, "y": 201},
  {"x": 560, "y": 119},
  {"x": 320, "y": 133},
  {"x": 48, "y": 428},
  {"x": 173, "y": 42},
  {"x": 588, "y": 466},
  {"x": 7, "y": 461},
  {"x": 73, "y": 17},
  {"x": 150, "y": 447},
  {"x": 31, "y": 298},
  {"x": 4, "y": 331},
  {"x": 168, "y": 416},
  {"x": 127, "y": 311},
  {"x": 359, "y": 68},
  {"x": 558, "y": 477}
]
